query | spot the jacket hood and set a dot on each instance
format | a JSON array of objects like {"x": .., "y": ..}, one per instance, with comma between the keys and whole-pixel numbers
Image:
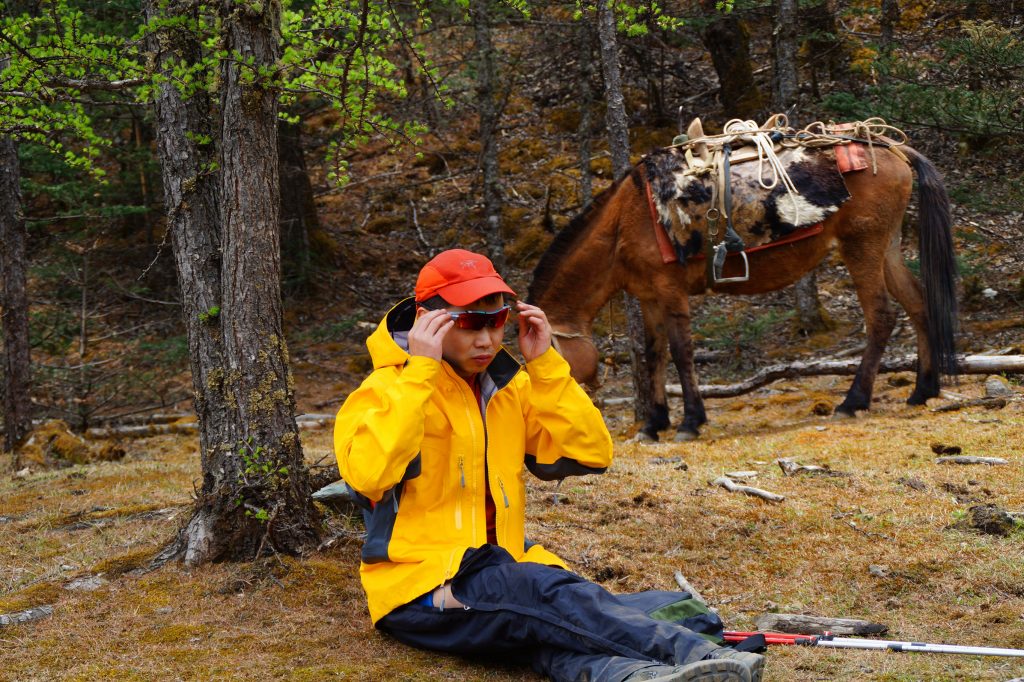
[{"x": 389, "y": 344}]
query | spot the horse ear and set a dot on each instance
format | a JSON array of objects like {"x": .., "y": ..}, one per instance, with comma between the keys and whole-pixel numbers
[{"x": 695, "y": 132}]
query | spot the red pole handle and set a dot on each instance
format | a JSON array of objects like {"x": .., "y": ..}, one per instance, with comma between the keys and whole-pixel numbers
[{"x": 772, "y": 637}]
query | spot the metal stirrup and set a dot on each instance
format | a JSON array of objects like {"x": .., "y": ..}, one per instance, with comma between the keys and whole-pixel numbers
[{"x": 720, "y": 252}]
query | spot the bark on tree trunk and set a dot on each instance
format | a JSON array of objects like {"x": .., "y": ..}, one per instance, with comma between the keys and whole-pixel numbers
[
  {"x": 299, "y": 219},
  {"x": 810, "y": 313},
  {"x": 17, "y": 367},
  {"x": 490, "y": 115},
  {"x": 728, "y": 41},
  {"x": 585, "y": 42},
  {"x": 255, "y": 491},
  {"x": 618, "y": 141},
  {"x": 615, "y": 113},
  {"x": 784, "y": 73}
]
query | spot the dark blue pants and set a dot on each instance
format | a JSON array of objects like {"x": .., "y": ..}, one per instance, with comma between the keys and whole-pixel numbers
[{"x": 568, "y": 627}]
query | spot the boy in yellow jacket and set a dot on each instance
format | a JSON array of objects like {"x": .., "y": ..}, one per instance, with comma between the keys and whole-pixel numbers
[{"x": 434, "y": 444}]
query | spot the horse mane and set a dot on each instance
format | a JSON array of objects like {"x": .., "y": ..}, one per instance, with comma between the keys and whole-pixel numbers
[{"x": 568, "y": 238}]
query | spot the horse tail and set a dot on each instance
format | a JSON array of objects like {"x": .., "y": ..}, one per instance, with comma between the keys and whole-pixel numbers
[{"x": 938, "y": 265}]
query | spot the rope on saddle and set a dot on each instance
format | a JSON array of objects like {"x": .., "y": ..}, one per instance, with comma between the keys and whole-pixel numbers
[
  {"x": 764, "y": 140},
  {"x": 871, "y": 132},
  {"x": 713, "y": 155}
]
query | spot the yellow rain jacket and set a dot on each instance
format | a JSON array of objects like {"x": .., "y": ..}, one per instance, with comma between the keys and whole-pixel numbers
[{"x": 412, "y": 443}]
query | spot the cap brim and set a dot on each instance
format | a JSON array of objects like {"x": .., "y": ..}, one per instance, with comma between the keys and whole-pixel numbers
[{"x": 464, "y": 293}]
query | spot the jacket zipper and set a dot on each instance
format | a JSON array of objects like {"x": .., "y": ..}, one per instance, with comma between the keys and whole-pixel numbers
[
  {"x": 472, "y": 428},
  {"x": 458, "y": 499},
  {"x": 504, "y": 526}
]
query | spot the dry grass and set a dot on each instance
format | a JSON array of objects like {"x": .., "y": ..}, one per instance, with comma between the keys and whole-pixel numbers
[{"x": 298, "y": 619}]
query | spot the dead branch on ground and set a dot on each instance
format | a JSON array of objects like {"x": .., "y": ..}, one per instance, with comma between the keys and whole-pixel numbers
[{"x": 970, "y": 364}]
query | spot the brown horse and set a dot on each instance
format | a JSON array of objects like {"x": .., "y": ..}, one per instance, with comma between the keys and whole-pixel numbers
[{"x": 612, "y": 245}]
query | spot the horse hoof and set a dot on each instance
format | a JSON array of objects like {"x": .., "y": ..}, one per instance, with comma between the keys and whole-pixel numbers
[
  {"x": 644, "y": 437},
  {"x": 685, "y": 436},
  {"x": 843, "y": 414}
]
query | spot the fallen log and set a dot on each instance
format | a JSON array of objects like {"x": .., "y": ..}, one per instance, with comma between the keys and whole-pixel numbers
[
  {"x": 141, "y": 431},
  {"x": 303, "y": 421},
  {"x": 813, "y": 625},
  {"x": 26, "y": 616},
  {"x": 732, "y": 487},
  {"x": 970, "y": 364}
]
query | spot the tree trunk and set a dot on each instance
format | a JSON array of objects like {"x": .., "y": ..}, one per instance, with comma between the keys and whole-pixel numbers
[
  {"x": 618, "y": 142},
  {"x": 825, "y": 49},
  {"x": 615, "y": 113},
  {"x": 784, "y": 72},
  {"x": 728, "y": 41},
  {"x": 890, "y": 17},
  {"x": 809, "y": 311},
  {"x": 784, "y": 91},
  {"x": 490, "y": 115},
  {"x": 263, "y": 488},
  {"x": 585, "y": 44},
  {"x": 255, "y": 490},
  {"x": 14, "y": 320},
  {"x": 299, "y": 219}
]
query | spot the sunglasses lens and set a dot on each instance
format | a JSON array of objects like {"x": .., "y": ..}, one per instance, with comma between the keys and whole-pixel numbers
[
  {"x": 500, "y": 317},
  {"x": 475, "y": 320}
]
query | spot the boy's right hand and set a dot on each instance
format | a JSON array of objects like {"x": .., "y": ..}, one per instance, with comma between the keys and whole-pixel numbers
[{"x": 428, "y": 331}]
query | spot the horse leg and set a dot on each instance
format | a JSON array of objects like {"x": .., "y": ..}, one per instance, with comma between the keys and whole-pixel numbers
[
  {"x": 680, "y": 341},
  {"x": 657, "y": 361},
  {"x": 905, "y": 288},
  {"x": 866, "y": 266}
]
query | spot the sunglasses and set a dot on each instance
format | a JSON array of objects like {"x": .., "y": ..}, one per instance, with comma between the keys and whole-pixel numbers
[{"x": 476, "y": 320}]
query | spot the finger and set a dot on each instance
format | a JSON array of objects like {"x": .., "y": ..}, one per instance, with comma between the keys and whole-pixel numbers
[
  {"x": 433, "y": 319},
  {"x": 532, "y": 320}
]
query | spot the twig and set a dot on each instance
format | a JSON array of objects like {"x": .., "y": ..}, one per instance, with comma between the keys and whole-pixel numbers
[
  {"x": 965, "y": 459},
  {"x": 732, "y": 487},
  {"x": 790, "y": 466},
  {"x": 685, "y": 586},
  {"x": 419, "y": 230}
]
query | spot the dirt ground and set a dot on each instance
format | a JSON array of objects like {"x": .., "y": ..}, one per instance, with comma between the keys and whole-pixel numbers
[{"x": 877, "y": 538}]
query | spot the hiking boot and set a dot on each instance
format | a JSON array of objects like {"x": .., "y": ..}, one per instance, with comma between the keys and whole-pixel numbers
[
  {"x": 754, "y": 663},
  {"x": 708, "y": 670}
]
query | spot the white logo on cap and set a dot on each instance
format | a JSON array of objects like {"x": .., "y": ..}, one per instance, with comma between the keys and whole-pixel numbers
[{"x": 467, "y": 264}]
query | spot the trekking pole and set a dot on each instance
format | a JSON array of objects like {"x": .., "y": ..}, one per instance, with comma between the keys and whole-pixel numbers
[{"x": 830, "y": 640}]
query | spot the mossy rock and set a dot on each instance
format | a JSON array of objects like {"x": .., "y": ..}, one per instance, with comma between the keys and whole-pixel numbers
[
  {"x": 53, "y": 443},
  {"x": 107, "y": 452}
]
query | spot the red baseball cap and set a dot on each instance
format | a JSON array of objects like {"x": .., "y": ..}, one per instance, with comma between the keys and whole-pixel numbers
[{"x": 459, "y": 277}]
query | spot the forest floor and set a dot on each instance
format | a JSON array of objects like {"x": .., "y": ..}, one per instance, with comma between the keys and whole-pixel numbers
[
  {"x": 882, "y": 536},
  {"x": 877, "y": 538}
]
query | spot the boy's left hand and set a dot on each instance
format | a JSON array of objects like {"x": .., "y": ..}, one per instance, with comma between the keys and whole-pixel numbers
[{"x": 534, "y": 330}]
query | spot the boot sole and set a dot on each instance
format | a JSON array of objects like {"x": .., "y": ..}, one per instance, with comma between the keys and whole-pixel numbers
[{"x": 710, "y": 670}]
